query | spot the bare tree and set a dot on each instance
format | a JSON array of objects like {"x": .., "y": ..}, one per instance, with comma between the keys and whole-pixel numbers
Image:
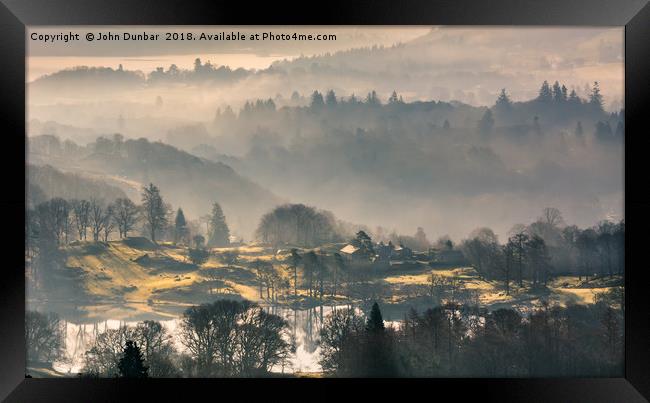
[
  {"x": 232, "y": 338},
  {"x": 109, "y": 222},
  {"x": 44, "y": 337},
  {"x": 126, "y": 216},
  {"x": 97, "y": 218},
  {"x": 552, "y": 217},
  {"x": 81, "y": 210}
]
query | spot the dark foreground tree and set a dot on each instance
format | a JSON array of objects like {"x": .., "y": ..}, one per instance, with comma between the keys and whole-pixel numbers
[
  {"x": 375, "y": 323},
  {"x": 44, "y": 337},
  {"x": 233, "y": 338},
  {"x": 350, "y": 349},
  {"x": 154, "y": 341},
  {"x": 131, "y": 364}
]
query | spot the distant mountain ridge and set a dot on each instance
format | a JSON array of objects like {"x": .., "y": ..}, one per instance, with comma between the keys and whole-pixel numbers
[
  {"x": 46, "y": 182},
  {"x": 185, "y": 180}
]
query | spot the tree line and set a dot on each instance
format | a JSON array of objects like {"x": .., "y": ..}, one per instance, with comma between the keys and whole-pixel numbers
[
  {"x": 221, "y": 339},
  {"x": 462, "y": 340},
  {"x": 298, "y": 224},
  {"x": 546, "y": 248},
  {"x": 59, "y": 221}
]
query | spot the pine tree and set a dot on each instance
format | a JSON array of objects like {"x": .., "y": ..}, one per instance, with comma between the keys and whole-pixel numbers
[
  {"x": 180, "y": 227},
  {"x": 375, "y": 322},
  {"x": 131, "y": 365},
  {"x": 330, "y": 98},
  {"x": 557, "y": 92},
  {"x": 574, "y": 99},
  {"x": 545, "y": 93},
  {"x": 377, "y": 351},
  {"x": 372, "y": 98},
  {"x": 317, "y": 100},
  {"x": 364, "y": 242},
  {"x": 219, "y": 233},
  {"x": 393, "y": 98},
  {"x": 503, "y": 102},
  {"x": 596, "y": 99}
]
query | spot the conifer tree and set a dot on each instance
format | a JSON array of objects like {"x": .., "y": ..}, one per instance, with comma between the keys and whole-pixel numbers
[
  {"x": 330, "y": 98},
  {"x": 545, "y": 93},
  {"x": 503, "y": 101},
  {"x": 596, "y": 99},
  {"x": 131, "y": 364},
  {"x": 393, "y": 98},
  {"x": 219, "y": 233},
  {"x": 375, "y": 321},
  {"x": 180, "y": 227},
  {"x": 317, "y": 101}
]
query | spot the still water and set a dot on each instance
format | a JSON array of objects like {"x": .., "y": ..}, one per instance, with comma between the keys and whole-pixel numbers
[{"x": 305, "y": 325}]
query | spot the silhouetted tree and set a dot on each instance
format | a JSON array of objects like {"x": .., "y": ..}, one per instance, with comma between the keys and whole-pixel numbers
[
  {"x": 131, "y": 364},
  {"x": 330, "y": 98},
  {"x": 44, "y": 337},
  {"x": 503, "y": 103},
  {"x": 372, "y": 99},
  {"x": 375, "y": 322},
  {"x": 126, "y": 216},
  {"x": 545, "y": 93},
  {"x": 180, "y": 227},
  {"x": 154, "y": 210},
  {"x": 81, "y": 211},
  {"x": 97, "y": 218},
  {"x": 364, "y": 242},
  {"x": 317, "y": 101},
  {"x": 595, "y": 98}
]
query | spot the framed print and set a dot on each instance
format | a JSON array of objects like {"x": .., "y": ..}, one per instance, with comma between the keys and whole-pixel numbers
[{"x": 430, "y": 196}]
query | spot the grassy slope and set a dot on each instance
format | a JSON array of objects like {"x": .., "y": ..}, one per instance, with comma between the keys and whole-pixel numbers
[
  {"x": 165, "y": 282},
  {"x": 117, "y": 271}
]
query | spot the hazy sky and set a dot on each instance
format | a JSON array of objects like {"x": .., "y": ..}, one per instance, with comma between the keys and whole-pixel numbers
[
  {"x": 516, "y": 57},
  {"x": 50, "y": 57}
]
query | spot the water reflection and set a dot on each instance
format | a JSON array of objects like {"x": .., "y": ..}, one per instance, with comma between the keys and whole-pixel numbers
[{"x": 305, "y": 327}]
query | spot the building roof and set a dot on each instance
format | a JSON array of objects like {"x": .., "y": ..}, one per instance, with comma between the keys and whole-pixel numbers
[{"x": 349, "y": 249}]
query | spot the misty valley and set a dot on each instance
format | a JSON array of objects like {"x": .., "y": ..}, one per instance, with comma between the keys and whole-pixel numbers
[{"x": 319, "y": 233}]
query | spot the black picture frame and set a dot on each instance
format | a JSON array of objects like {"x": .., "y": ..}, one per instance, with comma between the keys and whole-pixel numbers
[{"x": 15, "y": 15}]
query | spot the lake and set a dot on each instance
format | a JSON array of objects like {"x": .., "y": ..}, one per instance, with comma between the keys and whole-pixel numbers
[{"x": 305, "y": 325}]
